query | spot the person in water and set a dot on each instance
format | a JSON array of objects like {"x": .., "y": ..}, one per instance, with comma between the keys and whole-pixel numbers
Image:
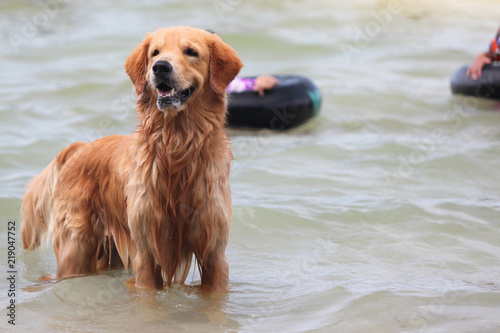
[
  {"x": 259, "y": 84},
  {"x": 493, "y": 54}
]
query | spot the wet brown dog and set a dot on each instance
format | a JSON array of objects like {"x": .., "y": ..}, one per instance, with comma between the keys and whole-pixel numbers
[{"x": 158, "y": 196}]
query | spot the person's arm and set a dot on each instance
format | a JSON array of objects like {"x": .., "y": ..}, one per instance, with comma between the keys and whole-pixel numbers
[
  {"x": 476, "y": 68},
  {"x": 264, "y": 82},
  {"x": 493, "y": 54}
]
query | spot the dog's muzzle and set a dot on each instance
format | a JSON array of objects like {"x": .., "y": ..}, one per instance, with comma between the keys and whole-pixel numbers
[{"x": 169, "y": 95}]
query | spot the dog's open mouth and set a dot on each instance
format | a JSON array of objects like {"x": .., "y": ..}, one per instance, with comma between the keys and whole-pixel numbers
[{"x": 168, "y": 96}]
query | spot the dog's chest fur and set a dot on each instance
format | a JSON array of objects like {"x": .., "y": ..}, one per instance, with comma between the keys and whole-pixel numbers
[{"x": 176, "y": 186}]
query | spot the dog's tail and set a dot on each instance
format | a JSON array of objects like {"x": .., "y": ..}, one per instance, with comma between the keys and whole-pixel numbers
[{"x": 39, "y": 198}]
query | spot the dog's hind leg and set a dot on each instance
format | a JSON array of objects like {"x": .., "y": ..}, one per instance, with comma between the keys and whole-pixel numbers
[
  {"x": 76, "y": 256},
  {"x": 76, "y": 251}
]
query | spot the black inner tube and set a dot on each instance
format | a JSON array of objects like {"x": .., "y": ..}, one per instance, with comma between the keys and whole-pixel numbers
[
  {"x": 293, "y": 101},
  {"x": 486, "y": 86}
]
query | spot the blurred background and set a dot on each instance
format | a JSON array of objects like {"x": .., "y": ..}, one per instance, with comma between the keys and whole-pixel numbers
[{"x": 379, "y": 215}]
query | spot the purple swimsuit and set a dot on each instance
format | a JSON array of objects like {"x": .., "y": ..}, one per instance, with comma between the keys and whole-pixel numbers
[{"x": 240, "y": 84}]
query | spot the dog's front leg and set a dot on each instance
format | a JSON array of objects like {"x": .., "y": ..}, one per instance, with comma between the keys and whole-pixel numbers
[
  {"x": 147, "y": 272},
  {"x": 215, "y": 270}
]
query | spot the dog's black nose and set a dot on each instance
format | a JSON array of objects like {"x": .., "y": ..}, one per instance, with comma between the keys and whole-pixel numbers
[{"x": 162, "y": 67}]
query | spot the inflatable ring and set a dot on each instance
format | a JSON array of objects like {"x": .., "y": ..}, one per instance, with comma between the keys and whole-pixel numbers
[
  {"x": 487, "y": 86},
  {"x": 293, "y": 101}
]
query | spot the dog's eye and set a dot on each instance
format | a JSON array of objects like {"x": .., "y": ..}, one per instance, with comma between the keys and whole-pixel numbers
[
  {"x": 155, "y": 53},
  {"x": 190, "y": 52}
]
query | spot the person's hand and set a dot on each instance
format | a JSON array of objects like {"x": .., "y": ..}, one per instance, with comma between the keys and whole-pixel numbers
[
  {"x": 476, "y": 68},
  {"x": 264, "y": 82}
]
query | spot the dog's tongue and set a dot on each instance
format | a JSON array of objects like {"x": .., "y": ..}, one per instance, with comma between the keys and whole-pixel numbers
[{"x": 166, "y": 93}]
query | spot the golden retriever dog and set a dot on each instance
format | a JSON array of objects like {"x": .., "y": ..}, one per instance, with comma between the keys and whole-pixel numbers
[{"x": 154, "y": 198}]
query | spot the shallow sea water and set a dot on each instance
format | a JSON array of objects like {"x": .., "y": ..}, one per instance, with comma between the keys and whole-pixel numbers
[{"x": 380, "y": 215}]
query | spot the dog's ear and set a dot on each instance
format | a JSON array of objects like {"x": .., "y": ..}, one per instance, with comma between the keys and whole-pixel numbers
[
  {"x": 136, "y": 65},
  {"x": 224, "y": 64}
]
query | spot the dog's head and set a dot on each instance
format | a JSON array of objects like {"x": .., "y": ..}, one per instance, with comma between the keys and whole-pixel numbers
[{"x": 176, "y": 64}]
